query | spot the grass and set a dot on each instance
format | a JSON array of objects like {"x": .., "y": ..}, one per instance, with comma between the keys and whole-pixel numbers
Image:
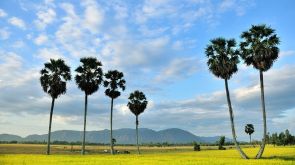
[{"x": 151, "y": 155}]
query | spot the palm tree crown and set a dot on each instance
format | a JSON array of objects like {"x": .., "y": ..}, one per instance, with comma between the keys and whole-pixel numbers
[
  {"x": 54, "y": 76},
  {"x": 114, "y": 81},
  {"x": 259, "y": 47},
  {"x": 137, "y": 102},
  {"x": 89, "y": 75},
  {"x": 249, "y": 129},
  {"x": 222, "y": 57}
]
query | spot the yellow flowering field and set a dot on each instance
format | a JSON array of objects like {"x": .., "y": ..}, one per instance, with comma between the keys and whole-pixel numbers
[{"x": 272, "y": 155}]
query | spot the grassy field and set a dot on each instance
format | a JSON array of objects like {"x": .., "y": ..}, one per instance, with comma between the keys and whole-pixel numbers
[{"x": 32, "y": 154}]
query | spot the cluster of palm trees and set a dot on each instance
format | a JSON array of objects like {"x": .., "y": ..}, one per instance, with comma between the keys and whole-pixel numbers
[
  {"x": 259, "y": 48},
  {"x": 89, "y": 77}
]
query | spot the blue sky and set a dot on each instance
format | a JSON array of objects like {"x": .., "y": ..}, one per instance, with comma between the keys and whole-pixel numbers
[{"x": 159, "y": 45}]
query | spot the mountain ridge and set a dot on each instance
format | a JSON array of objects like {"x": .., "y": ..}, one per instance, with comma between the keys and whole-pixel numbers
[{"x": 122, "y": 136}]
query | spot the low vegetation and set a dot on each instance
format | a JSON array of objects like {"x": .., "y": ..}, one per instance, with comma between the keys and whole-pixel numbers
[{"x": 152, "y": 155}]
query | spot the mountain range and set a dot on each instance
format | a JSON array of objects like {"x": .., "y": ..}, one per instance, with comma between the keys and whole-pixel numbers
[{"x": 122, "y": 136}]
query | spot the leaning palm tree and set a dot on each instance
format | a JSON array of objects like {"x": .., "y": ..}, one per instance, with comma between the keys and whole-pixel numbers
[
  {"x": 249, "y": 129},
  {"x": 222, "y": 62},
  {"x": 137, "y": 104},
  {"x": 53, "y": 80},
  {"x": 89, "y": 77},
  {"x": 113, "y": 82},
  {"x": 259, "y": 48}
]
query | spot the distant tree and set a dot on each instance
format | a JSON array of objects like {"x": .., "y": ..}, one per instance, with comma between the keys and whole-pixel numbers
[
  {"x": 89, "y": 77},
  {"x": 222, "y": 62},
  {"x": 113, "y": 82},
  {"x": 274, "y": 138},
  {"x": 288, "y": 137},
  {"x": 249, "y": 129},
  {"x": 259, "y": 48},
  {"x": 221, "y": 143},
  {"x": 196, "y": 146},
  {"x": 53, "y": 80},
  {"x": 137, "y": 104}
]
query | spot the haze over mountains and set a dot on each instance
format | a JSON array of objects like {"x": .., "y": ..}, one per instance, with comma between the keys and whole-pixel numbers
[{"x": 122, "y": 136}]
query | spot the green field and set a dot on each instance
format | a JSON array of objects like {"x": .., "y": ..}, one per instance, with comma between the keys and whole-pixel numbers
[{"x": 32, "y": 154}]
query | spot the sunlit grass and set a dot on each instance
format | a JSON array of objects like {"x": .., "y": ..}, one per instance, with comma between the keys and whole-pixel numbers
[{"x": 272, "y": 155}]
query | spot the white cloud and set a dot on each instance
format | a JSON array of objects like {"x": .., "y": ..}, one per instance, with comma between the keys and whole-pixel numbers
[
  {"x": 93, "y": 16},
  {"x": 49, "y": 53},
  {"x": 11, "y": 70},
  {"x": 2, "y": 13},
  {"x": 41, "y": 39},
  {"x": 4, "y": 33},
  {"x": 287, "y": 53},
  {"x": 18, "y": 44},
  {"x": 17, "y": 22},
  {"x": 178, "y": 68},
  {"x": 45, "y": 17}
]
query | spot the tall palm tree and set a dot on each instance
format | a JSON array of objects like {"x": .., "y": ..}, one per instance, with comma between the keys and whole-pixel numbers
[
  {"x": 222, "y": 62},
  {"x": 137, "y": 104},
  {"x": 249, "y": 129},
  {"x": 113, "y": 82},
  {"x": 89, "y": 77},
  {"x": 53, "y": 80},
  {"x": 259, "y": 48}
]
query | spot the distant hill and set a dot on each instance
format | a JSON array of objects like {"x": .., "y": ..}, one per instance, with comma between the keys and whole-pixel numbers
[{"x": 123, "y": 136}]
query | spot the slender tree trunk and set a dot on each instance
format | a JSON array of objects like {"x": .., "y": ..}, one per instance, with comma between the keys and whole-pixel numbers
[
  {"x": 260, "y": 152},
  {"x": 111, "y": 120},
  {"x": 137, "y": 134},
  {"x": 49, "y": 130},
  {"x": 84, "y": 131},
  {"x": 250, "y": 139},
  {"x": 243, "y": 155}
]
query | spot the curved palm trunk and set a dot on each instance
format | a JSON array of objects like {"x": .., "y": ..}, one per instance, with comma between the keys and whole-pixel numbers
[
  {"x": 111, "y": 120},
  {"x": 260, "y": 152},
  {"x": 243, "y": 155},
  {"x": 137, "y": 134},
  {"x": 49, "y": 130},
  {"x": 84, "y": 131}
]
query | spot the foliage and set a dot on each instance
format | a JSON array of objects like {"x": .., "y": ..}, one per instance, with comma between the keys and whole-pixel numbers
[
  {"x": 221, "y": 143},
  {"x": 89, "y": 75},
  {"x": 196, "y": 146},
  {"x": 222, "y": 57},
  {"x": 249, "y": 129},
  {"x": 54, "y": 76},
  {"x": 259, "y": 47},
  {"x": 137, "y": 102},
  {"x": 113, "y": 82}
]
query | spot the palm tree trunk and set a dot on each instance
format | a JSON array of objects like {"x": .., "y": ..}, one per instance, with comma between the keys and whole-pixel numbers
[
  {"x": 259, "y": 154},
  {"x": 49, "y": 130},
  {"x": 243, "y": 155},
  {"x": 111, "y": 120},
  {"x": 137, "y": 134},
  {"x": 84, "y": 131}
]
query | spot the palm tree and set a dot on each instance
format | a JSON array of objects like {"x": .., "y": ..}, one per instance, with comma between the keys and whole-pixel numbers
[
  {"x": 137, "y": 104},
  {"x": 89, "y": 77},
  {"x": 222, "y": 62},
  {"x": 249, "y": 129},
  {"x": 53, "y": 80},
  {"x": 259, "y": 48},
  {"x": 113, "y": 82}
]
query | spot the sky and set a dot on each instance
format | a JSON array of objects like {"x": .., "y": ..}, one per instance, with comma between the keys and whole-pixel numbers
[{"x": 159, "y": 46}]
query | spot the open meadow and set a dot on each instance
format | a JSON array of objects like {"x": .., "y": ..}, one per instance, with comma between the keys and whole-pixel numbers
[{"x": 61, "y": 154}]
